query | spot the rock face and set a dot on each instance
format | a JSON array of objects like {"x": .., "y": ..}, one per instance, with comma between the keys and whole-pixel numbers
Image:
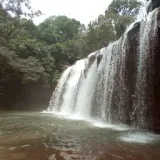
[
  {"x": 156, "y": 105},
  {"x": 152, "y": 5},
  {"x": 155, "y": 4},
  {"x": 25, "y": 96},
  {"x": 33, "y": 97},
  {"x": 153, "y": 113}
]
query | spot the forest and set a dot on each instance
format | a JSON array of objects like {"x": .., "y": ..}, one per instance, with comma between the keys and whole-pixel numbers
[{"x": 33, "y": 57}]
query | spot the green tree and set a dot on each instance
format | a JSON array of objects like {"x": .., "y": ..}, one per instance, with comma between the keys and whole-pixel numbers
[
  {"x": 125, "y": 7},
  {"x": 100, "y": 33},
  {"x": 19, "y": 8},
  {"x": 58, "y": 29},
  {"x": 12, "y": 26},
  {"x": 122, "y": 13}
]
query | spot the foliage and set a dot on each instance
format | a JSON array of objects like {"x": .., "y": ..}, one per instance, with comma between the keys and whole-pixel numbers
[
  {"x": 122, "y": 13},
  {"x": 12, "y": 67},
  {"x": 125, "y": 7},
  {"x": 19, "y": 7},
  {"x": 58, "y": 29}
]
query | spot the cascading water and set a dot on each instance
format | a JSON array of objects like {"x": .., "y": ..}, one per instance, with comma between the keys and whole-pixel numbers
[
  {"x": 143, "y": 89},
  {"x": 85, "y": 94},
  {"x": 106, "y": 89},
  {"x": 56, "y": 98},
  {"x": 65, "y": 92}
]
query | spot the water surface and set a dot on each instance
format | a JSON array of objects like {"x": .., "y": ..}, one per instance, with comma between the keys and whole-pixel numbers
[{"x": 45, "y": 136}]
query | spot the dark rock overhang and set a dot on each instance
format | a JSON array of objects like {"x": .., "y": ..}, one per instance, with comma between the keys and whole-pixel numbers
[{"x": 153, "y": 5}]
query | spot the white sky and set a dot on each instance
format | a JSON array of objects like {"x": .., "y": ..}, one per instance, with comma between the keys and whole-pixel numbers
[{"x": 82, "y": 10}]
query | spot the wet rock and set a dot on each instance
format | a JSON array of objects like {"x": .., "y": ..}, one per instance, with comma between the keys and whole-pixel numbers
[
  {"x": 155, "y": 4},
  {"x": 91, "y": 60},
  {"x": 156, "y": 104},
  {"x": 99, "y": 58},
  {"x": 152, "y": 5},
  {"x": 132, "y": 34}
]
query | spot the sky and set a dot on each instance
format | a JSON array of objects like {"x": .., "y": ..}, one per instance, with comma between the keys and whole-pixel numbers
[{"x": 82, "y": 10}]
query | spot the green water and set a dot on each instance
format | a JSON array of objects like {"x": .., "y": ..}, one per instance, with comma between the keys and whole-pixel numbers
[{"x": 44, "y": 136}]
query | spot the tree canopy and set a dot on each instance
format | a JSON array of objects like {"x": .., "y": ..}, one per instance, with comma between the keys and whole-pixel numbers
[{"x": 58, "y": 29}]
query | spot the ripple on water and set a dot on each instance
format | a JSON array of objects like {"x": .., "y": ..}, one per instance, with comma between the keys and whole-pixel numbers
[
  {"x": 24, "y": 146},
  {"x": 110, "y": 126},
  {"x": 90, "y": 121},
  {"x": 11, "y": 148},
  {"x": 63, "y": 115},
  {"x": 141, "y": 138}
]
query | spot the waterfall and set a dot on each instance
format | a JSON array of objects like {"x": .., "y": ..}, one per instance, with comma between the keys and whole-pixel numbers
[
  {"x": 113, "y": 84},
  {"x": 56, "y": 97},
  {"x": 85, "y": 94},
  {"x": 143, "y": 89}
]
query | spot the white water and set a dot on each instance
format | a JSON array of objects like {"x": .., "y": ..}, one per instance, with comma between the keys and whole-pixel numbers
[
  {"x": 69, "y": 93},
  {"x": 108, "y": 87},
  {"x": 58, "y": 91},
  {"x": 84, "y": 98},
  {"x": 142, "y": 138}
]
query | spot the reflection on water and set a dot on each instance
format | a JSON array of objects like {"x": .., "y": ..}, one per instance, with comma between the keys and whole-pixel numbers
[{"x": 39, "y": 136}]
